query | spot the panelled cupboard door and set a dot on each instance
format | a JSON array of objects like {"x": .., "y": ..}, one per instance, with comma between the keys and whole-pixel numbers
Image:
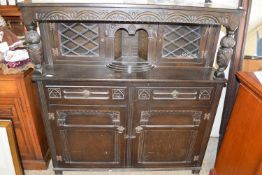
[
  {"x": 89, "y": 136},
  {"x": 167, "y": 137}
]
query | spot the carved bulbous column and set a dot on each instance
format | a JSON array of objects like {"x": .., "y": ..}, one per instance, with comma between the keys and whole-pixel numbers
[
  {"x": 225, "y": 53},
  {"x": 34, "y": 46}
]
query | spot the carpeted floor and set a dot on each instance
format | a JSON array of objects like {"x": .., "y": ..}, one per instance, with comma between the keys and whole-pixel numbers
[{"x": 207, "y": 165}]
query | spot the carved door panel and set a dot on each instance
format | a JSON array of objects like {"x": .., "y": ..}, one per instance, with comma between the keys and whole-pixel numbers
[
  {"x": 89, "y": 136},
  {"x": 166, "y": 137}
]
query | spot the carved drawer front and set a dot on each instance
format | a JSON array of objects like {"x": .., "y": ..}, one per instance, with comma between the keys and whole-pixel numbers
[
  {"x": 89, "y": 136},
  {"x": 167, "y": 138},
  {"x": 92, "y": 93},
  {"x": 175, "y": 93}
]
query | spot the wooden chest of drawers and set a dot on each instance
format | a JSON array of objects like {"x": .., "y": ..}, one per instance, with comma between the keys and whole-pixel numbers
[{"x": 19, "y": 103}]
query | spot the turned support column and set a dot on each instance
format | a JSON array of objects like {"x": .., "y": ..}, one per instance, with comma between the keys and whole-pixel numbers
[
  {"x": 34, "y": 46},
  {"x": 225, "y": 52}
]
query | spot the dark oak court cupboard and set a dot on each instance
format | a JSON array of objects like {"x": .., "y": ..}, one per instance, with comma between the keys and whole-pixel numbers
[{"x": 129, "y": 85}]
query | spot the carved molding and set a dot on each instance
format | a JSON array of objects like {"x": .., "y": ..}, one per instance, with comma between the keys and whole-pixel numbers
[
  {"x": 131, "y": 29},
  {"x": 118, "y": 94},
  {"x": 204, "y": 94},
  {"x": 144, "y": 94},
  {"x": 54, "y": 93},
  {"x": 62, "y": 115},
  {"x": 145, "y": 115},
  {"x": 167, "y": 16}
]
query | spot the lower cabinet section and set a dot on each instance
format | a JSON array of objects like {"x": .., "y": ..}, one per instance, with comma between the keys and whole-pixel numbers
[
  {"x": 134, "y": 131},
  {"x": 167, "y": 138},
  {"x": 89, "y": 136}
]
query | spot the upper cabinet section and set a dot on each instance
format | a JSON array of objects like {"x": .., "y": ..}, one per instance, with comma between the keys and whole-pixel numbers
[{"x": 130, "y": 36}]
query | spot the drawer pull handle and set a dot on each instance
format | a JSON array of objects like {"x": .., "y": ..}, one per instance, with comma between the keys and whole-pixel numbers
[
  {"x": 175, "y": 95},
  {"x": 139, "y": 129},
  {"x": 86, "y": 92},
  {"x": 120, "y": 129}
]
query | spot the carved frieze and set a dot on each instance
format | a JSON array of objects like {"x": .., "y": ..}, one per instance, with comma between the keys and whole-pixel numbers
[{"x": 104, "y": 14}]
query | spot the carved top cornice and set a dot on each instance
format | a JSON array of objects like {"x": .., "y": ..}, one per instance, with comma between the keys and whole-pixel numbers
[{"x": 141, "y": 14}]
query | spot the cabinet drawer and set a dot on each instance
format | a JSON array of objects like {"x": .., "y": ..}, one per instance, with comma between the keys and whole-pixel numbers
[
  {"x": 175, "y": 93},
  {"x": 59, "y": 93}
]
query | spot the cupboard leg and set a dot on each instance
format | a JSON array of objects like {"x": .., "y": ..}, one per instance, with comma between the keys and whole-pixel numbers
[
  {"x": 196, "y": 172},
  {"x": 58, "y": 172}
]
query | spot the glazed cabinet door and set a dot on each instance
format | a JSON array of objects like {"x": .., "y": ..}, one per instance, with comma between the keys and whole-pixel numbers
[
  {"x": 90, "y": 137},
  {"x": 167, "y": 137}
]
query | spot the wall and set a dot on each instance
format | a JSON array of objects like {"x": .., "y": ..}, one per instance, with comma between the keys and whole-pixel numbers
[
  {"x": 255, "y": 25},
  {"x": 251, "y": 44}
]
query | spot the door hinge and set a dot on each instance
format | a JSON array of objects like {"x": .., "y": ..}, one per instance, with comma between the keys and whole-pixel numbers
[
  {"x": 51, "y": 116},
  {"x": 206, "y": 116},
  {"x": 196, "y": 158},
  {"x": 59, "y": 158},
  {"x": 55, "y": 51}
]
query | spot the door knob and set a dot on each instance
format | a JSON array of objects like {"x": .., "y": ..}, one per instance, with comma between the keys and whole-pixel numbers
[
  {"x": 120, "y": 129},
  {"x": 138, "y": 129}
]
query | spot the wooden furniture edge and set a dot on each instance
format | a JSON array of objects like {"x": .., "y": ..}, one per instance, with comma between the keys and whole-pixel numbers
[
  {"x": 259, "y": 172},
  {"x": 10, "y": 11},
  {"x": 249, "y": 80},
  {"x": 213, "y": 172},
  {"x": 22, "y": 74}
]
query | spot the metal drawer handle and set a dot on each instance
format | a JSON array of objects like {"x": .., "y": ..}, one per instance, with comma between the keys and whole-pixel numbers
[
  {"x": 86, "y": 92},
  {"x": 175, "y": 94}
]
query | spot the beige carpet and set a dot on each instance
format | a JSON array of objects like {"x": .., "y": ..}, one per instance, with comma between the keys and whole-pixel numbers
[{"x": 207, "y": 165}]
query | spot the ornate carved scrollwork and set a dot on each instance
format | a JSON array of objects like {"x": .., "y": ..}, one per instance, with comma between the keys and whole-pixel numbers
[
  {"x": 34, "y": 45},
  {"x": 106, "y": 14},
  {"x": 225, "y": 53}
]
